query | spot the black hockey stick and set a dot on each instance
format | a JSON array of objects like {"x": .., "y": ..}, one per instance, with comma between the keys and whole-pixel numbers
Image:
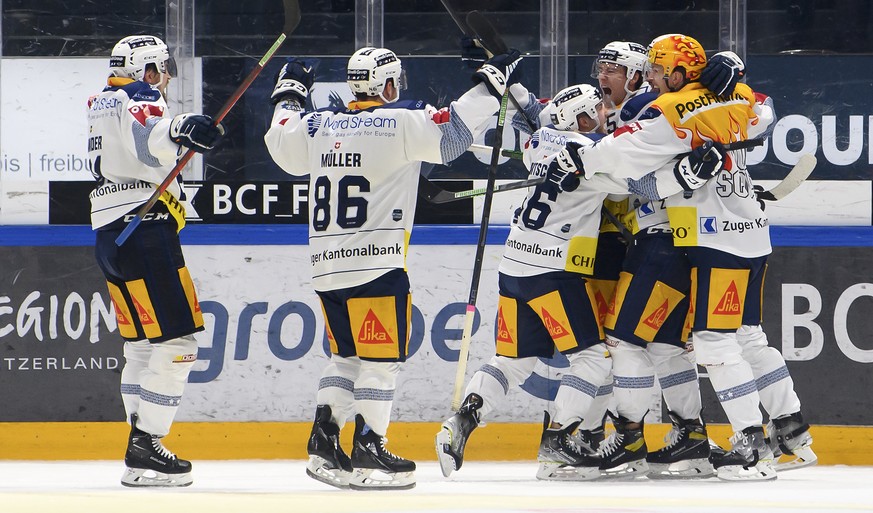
[
  {"x": 436, "y": 194},
  {"x": 292, "y": 18},
  {"x": 491, "y": 42},
  {"x": 485, "y": 32}
]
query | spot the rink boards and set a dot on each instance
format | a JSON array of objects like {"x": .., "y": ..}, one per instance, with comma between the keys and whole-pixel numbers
[{"x": 251, "y": 393}]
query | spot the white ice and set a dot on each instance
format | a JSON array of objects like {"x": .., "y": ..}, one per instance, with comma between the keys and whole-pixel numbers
[{"x": 482, "y": 487}]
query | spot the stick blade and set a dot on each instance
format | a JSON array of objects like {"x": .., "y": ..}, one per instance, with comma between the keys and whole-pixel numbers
[
  {"x": 486, "y": 33},
  {"x": 292, "y": 16},
  {"x": 795, "y": 177}
]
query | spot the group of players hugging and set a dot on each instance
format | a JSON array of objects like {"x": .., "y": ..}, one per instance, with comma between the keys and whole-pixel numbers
[{"x": 628, "y": 258}]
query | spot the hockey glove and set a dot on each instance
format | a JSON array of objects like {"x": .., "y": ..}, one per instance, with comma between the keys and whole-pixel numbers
[
  {"x": 564, "y": 181},
  {"x": 722, "y": 72},
  {"x": 496, "y": 73},
  {"x": 566, "y": 168},
  {"x": 695, "y": 168},
  {"x": 472, "y": 53},
  {"x": 196, "y": 131},
  {"x": 293, "y": 82}
]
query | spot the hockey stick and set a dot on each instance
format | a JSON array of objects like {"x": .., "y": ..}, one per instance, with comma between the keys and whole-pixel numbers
[
  {"x": 513, "y": 154},
  {"x": 491, "y": 42},
  {"x": 292, "y": 18},
  {"x": 792, "y": 180},
  {"x": 436, "y": 194},
  {"x": 482, "y": 29}
]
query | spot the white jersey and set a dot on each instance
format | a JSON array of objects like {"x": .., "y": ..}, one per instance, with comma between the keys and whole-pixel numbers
[
  {"x": 553, "y": 230},
  {"x": 130, "y": 148},
  {"x": 646, "y": 216},
  {"x": 724, "y": 214},
  {"x": 364, "y": 165}
]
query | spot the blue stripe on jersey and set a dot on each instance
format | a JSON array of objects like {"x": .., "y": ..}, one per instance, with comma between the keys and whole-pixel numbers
[
  {"x": 456, "y": 137},
  {"x": 141, "y": 141},
  {"x": 631, "y": 109}
]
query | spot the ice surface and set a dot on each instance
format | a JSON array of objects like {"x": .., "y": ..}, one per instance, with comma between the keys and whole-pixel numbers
[{"x": 282, "y": 486}]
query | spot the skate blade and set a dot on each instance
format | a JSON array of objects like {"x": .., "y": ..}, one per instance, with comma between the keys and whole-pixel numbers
[
  {"x": 443, "y": 444},
  {"x": 685, "y": 469},
  {"x": 372, "y": 479},
  {"x": 762, "y": 471},
  {"x": 564, "y": 472},
  {"x": 141, "y": 478},
  {"x": 626, "y": 471},
  {"x": 319, "y": 469},
  {"x": 803, "y": 457}
]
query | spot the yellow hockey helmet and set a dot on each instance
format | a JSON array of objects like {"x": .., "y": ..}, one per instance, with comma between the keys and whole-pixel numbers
[{"x": 674, "y": 50}]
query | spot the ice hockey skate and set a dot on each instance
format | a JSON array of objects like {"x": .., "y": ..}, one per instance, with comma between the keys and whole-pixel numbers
[
  {"x": 453, "y": 435},
  {"x": 562, "y": 457},
  {"x": 790, "y": 441},
  {"x": 686, "y": 455},
  {"x": 375, "y": 468},
  {"x": 149, "y": 463},
  {"x": 328, "y": 462},
  {"x": 750, "y": 458},
  {"x": 623, "y": 454}
]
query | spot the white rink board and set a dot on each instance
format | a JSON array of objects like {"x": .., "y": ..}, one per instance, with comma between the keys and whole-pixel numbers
[{"x": 263, "y": 387}]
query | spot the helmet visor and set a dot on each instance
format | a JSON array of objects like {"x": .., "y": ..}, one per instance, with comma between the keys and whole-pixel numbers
[{"x": 170, "y": 65}]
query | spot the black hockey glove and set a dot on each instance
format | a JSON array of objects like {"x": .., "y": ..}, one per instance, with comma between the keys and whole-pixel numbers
[
  {"x": 496, "y": 73},
  {"x": 293, "y": 82},
  {"x": 722, "y": 72},
  {"x": 196, "y": 131},
  {"x": 566, "y": 169},
  {"x": 472, "y": 54},
  {"x": 695, "y": 168}
]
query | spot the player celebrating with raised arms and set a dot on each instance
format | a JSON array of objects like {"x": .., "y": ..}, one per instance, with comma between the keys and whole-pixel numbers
[
  {"x": 364, "y": 163},
  {"x": 133, "y": 144}
]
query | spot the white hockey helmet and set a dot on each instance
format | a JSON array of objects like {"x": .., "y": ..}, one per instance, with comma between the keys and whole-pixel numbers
[
  {"x": 131, "y": 55},
  {"x": 633, "y": 56},
  {"x": 370, "y": 69},
  {"x": 572, "y": 101}
]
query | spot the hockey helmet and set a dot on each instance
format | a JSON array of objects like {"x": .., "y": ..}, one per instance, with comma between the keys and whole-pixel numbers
[
  {"x": 632, "y": 56},
  {"x": 370, "y": 69},
  {"x": 676, "y": 50},
  {"x": 131, "y": 55},
  {"x": 572, "y": 101}
]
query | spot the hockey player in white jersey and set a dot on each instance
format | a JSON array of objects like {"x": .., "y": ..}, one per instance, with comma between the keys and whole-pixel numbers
[
  {"x": 718, "y": 222},
  {"x": 544, "y": 301},
  {"x": 133, "y": 143},
  {"x": 644, "y": 325},
  {"x": 364, "y": 164}
]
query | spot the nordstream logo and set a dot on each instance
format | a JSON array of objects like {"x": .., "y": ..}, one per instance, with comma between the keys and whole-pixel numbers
[{"x": 708, "y": 225}]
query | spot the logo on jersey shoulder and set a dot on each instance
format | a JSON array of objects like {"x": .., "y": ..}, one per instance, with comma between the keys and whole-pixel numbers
[
  {"x": 143, "y": 112},
  {"x": 313, "y": 123},
  {"x": 708, "y": 225},
  {"x": 628, "y": 129}
]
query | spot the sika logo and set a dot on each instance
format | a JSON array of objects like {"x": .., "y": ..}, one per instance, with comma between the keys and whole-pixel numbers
[
  {"x": 555, "y": 329},
  {"x": 656, "y": 320},
  {"x": 729, "y": 304},
  {"x": 144, "y": 316},
  {"x": 372, "y": 331},
  {"x": 503, "y": 334}
]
